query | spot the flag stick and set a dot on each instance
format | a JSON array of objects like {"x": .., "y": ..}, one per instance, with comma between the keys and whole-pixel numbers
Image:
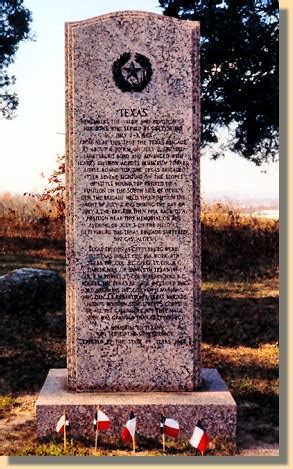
[
  {"x": 163, "y": 437},
  {"x": 133, "y": 444},
  {"x": 97, "y": 430},
  {"x": 64, "y": 441}
]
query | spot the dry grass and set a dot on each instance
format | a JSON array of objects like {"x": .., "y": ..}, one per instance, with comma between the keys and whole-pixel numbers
[
  {"x": 221, "y": 216},
  {"x": 27, "y": 217}
]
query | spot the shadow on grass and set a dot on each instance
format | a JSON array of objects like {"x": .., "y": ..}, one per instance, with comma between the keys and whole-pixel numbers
[
  {"x": 22, "y": 243},
  {"x": 37, "y": 253},
  {"x": 30, "y": 345},
  {"x": 258, "y": 419},
  {"x": 239, "y": 321},
  {"x": 236, "y": 253}
]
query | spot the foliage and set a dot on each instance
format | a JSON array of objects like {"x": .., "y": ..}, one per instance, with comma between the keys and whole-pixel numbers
[
  {"x": 239, "y": 70},
  {"x": 55, "y": 192},
  {"x": 15, "y": 27},
  {"x": 5, "y": 402},
  {"x": 50, "y": 449},
  {"x": 28, "y": 217}
]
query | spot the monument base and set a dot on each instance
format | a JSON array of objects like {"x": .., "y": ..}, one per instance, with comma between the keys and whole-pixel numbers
[{"x": 213, "y": 404}]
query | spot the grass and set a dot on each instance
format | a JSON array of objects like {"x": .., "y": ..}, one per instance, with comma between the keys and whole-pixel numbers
[
  {"x": 240, "y": 333},
  {"x": 6, "y": 402},
  {"x": 84, "y": 447},
  {"x": 238, "y": 247},
  {"x": 246, "y": 313}
]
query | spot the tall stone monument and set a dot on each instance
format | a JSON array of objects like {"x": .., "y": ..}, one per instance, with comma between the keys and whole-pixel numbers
[
  {"x": 133, "y": 230},
  {"x": 133, "y": 204}
]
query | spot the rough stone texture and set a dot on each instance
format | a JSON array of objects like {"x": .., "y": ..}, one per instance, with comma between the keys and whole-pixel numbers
[
  {"x": 133, "y": 239},
  {"x": 30, "y": 289},
  {"x": 212, "y": 404}
]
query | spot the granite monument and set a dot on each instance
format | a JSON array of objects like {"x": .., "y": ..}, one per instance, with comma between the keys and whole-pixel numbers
[{"x": 133, "y": 230}]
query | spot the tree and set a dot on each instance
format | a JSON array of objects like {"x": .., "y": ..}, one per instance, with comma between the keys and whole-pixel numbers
[
  {"x": 55, "y": 192},
  {"x": 15, "y": 22},
  {"x": 239, "y": 72}
]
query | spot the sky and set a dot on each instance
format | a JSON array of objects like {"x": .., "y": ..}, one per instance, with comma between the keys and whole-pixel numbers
[{"x": 31, "y": 142}]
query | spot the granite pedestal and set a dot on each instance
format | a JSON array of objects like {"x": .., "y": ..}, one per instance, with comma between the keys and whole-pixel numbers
[{"x": 212, "y": 403}]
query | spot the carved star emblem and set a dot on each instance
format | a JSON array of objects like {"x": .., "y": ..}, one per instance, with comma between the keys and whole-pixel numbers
[{"x": 132, "y": 71}]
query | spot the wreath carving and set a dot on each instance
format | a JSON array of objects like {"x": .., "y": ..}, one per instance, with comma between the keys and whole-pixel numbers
[{"x": 132, "y": 75}]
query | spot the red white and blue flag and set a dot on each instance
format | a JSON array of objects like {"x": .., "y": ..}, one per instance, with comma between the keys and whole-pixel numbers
[
  {"x": 128, "y": 432},
  {"x": 62, "y": 422},
  {"x": 169, "y": 427},
  {"x": 101, "y": 421},
  {"x": 199, "y": 439}
]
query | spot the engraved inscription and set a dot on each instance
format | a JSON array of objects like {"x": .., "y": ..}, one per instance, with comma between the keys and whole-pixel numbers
[{"x": 135, "y": 170}]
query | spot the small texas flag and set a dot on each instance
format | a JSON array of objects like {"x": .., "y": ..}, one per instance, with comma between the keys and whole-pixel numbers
[
  {"x": 199, "y": 439},
  {"x": 102, "y": 420},
  {"x": 169, "y": 427},
  {"x": 128, "y": 431},
  {"x": 62, "y": 422}
]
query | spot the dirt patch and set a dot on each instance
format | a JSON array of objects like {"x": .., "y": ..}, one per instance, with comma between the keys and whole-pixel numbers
[{"x": 266, "y": 450}]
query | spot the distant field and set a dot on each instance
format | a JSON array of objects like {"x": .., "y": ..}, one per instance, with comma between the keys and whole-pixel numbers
[
  {"x": 270, "y": 214},
  {"x": 240, "y": 326}
]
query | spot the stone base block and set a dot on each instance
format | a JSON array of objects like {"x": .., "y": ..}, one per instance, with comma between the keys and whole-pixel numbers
[{"x": 212, "y": 404}]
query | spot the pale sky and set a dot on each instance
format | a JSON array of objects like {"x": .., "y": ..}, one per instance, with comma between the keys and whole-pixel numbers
[{"x": 31, "y": 142}]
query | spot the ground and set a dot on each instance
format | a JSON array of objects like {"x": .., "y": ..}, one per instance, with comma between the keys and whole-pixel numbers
[{"x": 240, "y": 339}]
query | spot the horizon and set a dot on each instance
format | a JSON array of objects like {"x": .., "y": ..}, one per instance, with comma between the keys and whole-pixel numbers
[{"x": 264, "y": 200}]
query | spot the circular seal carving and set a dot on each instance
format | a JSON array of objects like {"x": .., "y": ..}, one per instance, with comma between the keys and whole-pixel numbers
[{"x": 132, "y": 74}]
